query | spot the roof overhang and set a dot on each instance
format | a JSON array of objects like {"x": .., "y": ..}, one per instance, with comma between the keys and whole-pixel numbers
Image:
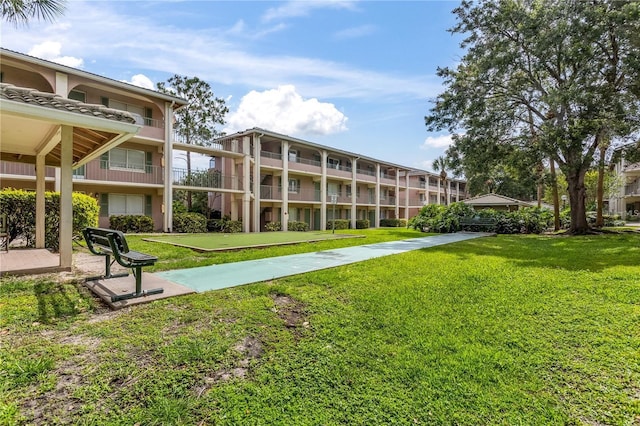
[{"x": 28, "y": 130}]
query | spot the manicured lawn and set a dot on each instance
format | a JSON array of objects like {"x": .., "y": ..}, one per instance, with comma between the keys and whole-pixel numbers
[
  {"x": 507, "y": 330},
  {"x": 216, "y": 241}
]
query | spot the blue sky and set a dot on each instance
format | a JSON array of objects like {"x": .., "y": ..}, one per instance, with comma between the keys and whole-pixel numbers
[{"x": 354, "y": 75}]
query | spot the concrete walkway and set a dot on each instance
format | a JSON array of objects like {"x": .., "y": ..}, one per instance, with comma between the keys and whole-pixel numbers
[{"x": 216, "y": 277}]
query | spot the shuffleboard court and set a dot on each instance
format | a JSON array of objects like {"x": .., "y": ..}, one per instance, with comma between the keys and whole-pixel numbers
[{"x": 215, "y": 277}]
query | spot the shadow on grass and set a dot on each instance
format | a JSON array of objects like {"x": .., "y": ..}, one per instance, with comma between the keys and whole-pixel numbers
[
  {"x": 592, "y": 253},
  {"x": 59, "y": 300}
]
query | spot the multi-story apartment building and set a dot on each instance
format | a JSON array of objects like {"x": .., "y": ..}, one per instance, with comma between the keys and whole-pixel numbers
[
  {"x": 627, "y": 199},
  {"x": 258, "y": 176}
]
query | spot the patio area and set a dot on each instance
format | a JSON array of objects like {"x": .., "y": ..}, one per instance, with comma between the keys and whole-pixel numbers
[{"x": 30, "y": 261}]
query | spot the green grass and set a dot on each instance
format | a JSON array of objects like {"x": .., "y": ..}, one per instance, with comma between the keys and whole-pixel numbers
[
  {"x": 508, "y": 330},
  {"x": 216, "y": 241}
]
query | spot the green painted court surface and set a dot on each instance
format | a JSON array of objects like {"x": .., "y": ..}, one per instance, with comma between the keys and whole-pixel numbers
[
  {"x": 213, "y": 242},
  {"x": 215, "y": 277}
]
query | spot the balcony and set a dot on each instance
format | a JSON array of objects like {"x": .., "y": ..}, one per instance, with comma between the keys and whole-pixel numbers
[
  {"x": 105, "y": 171},
  {"x": 205, "y": 179},
  {"x": 223, "y": 145},
  {"x": 22, "y": 169},
  {"x": 272, "y": 159},
  {"x": 304, "y": 164},
  {"x": 309, "y": 195},
  {"x": 269, "y": 192},
  {"x": 632, "y": 189}
]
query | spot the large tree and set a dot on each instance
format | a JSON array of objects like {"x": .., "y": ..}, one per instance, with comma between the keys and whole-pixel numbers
[
  {"x": 19, "y": 12},
  {"x": 196, "y": 122},
  {"x": 550, "y": 76}
]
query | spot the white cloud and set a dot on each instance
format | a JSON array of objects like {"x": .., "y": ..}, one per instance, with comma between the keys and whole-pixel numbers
[
  {"x": 442, "y": 141},
  {"x": 283, "y": 110},
  {"x": 298, "y": 8},
  {"x": 50, "y": 50},
  {"x": 355, "y": 32},
  {"x": 141, "y": 80}
]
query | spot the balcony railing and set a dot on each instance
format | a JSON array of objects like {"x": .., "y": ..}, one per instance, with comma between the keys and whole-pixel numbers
[
  {"x": 22, "y": 169},
  {"x": 633, "y": 188},
  {"x": 268, "y": 192},
  {"x": 225, "y": 145},
  {"x": 308, "y": 161},
  {"x": 274, "y": 155},
  {"x": 365, "y": 172},
  {"x": 210, "y": 179},
  {"x": 113, "y": 172}
]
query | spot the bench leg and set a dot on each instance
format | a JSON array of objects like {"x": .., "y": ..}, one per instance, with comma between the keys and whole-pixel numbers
[
  {"x": 107, "y": 271},
  {"x": 137, "y": 272}
]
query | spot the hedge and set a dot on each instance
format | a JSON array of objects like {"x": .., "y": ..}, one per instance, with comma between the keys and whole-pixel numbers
[
  {"x": 362, "y": 224},
  {"x": 393, "y": 223},
  {"x": 20, "y": 207},
  {"x": 339, "y": 223},
  {"x": 443, "y": 219},
  {"x": 225, "y": 225},
  {"x": 190, "y": 223},
  {"x": 131, "y": 223}
]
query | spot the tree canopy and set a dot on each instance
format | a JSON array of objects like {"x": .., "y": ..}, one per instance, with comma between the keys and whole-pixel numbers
[
  {"x": 196, "y": 121},
  {"x": 544, "y": 79},
  {"x": 19, "y": 12}
]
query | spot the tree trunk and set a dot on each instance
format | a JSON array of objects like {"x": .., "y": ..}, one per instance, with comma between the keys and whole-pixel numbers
[
  {"x": 577, "y": 196},
  {"x": 556, "y": 200},
  {"x": 600, "y": 188}
]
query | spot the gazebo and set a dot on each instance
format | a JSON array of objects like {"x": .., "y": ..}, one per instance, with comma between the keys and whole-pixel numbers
[{"x": 46, "y": 129}]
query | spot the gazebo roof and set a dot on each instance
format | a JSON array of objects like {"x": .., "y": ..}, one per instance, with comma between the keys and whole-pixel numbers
[{"x": 30, "y": 125}]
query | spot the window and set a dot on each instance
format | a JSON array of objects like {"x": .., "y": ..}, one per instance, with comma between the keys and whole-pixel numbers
[
  {"x": 129, "y": 159},
  {"x": 145, "y": 115},
  {"x": 126, "y": 204},
  {"x": 293, "y": 155},
  {"x": 333, "y": 163},
  {"x": 294, "y": 186},
  {"x": 348, "y": 190},
  {"x": 79, "y": 173},
  {"x": 78, "y": 95}
]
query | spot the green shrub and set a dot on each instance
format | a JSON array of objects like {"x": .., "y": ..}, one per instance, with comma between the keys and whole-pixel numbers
[
  {"x": 294, "y": 225},
  {"x": 20, "y": 207},
  {"x": 633, "y": 218},
  {"x": 273, "y": 226},
  {"x": 362, "y": 224},
  {"x": 437, "y": 218},
  {"x": 226, "y": 225},
  {"x": 190, "y": 223},
  {"x": 393, "y": 223},
  {"x": 131, "y": 223},
  {"x": 339, "y": 224}
]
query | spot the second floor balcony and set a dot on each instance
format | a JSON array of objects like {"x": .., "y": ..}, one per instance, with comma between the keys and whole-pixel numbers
[
  {"x": 632, "y": 188},
  {"x": 205, "y": 179}
]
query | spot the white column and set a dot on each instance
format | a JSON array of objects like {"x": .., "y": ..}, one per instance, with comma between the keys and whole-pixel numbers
[
  {"x": 397, "y": 207},
  {"x": 257, "y": 200},
  {"x": 323, "y": 193},
  {"x": 377, "y": 212},
  {"x": 40, "y": 199},
  {"x": 457, "y": 191},
  {"x": 66, "y": 189},
  {"x": 284, "y": 220},
  {"x": 246, "y": 184},
  {"x": 167, "y": 190},
  {"x": 354, "y": 193},
  {"x": 406, "y": 195}
]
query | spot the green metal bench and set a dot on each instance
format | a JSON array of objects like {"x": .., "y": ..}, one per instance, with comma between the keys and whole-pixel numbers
[
  {"x": 478, "y": 223},
  {"x": 4, "y": 232},
  {"x": 109, "y": 242}
]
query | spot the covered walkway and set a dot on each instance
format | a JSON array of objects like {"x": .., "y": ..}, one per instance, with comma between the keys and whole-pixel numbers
[{"x": 216, "y": 277}]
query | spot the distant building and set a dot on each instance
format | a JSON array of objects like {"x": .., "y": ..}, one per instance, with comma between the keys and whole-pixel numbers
[
  {"x": 257, "y": 176},
  {"x": 498, "y": 202},
  {"x": 627, "y": 199}
]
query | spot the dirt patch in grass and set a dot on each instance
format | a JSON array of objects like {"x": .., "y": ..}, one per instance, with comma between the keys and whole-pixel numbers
[{"x": 291, "y": 311}]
